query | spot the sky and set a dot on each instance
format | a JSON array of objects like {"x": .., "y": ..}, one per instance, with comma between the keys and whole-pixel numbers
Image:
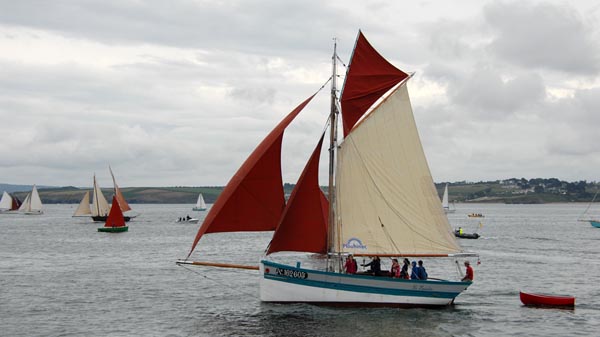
[{"x": 179, "y": 93}]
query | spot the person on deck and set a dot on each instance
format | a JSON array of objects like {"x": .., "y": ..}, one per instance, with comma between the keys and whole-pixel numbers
[
  {"x": 404, "y": 271},
  {"x": 421, "y": 271},
  {"x": 375, "y": 265},
  {"x": 395, "y": 271},
  {"x": 414, "y": 271},
  {"x": 460, "y": 231},
  {"x": 351, "y": 267},
  {"x": 469, "y": 273}
]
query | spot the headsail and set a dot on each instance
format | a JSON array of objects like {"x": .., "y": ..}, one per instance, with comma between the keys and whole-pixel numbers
[
  {"x": 253, "y": 200},
  {"x": 386, "y": 199},
  {"x": 369, "y": 76},
  {"x": 303, "y": 226},
  {"x": 84, "y": 206},
  {"x": 122, "y": 203}
]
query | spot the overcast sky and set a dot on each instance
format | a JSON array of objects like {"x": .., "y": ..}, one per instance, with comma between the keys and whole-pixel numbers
[{"x": 174, "y": 93}]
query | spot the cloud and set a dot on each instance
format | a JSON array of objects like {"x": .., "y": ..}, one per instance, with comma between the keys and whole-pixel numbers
[{"x": 543, "y": 35}]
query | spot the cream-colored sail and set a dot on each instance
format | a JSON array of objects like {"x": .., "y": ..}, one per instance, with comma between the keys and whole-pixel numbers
[
  {"x": 26, "y": 204},
  {"x": 6, "y": 201},
  {"x": 84, "y": 206},
  {"x": 445, "y": 198},
  {"x": 386, "y": 200},
  {"x": 35, "y": 202},
  {"x": 99, "y": 204}
]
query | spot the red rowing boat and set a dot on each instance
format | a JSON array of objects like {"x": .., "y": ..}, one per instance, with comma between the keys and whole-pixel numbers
[{"x": 547, "y": 300}]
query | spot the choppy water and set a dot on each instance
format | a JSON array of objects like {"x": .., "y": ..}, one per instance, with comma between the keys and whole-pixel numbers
[{"x": 60, "y": 277}]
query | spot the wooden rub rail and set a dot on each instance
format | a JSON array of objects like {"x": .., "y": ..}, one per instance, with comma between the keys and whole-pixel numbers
[{"x": 215, "y": 264}]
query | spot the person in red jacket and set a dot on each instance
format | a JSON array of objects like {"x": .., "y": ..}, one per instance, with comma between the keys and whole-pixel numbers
[
  {"x": 469, "y": 272},
  {"x": 351, "y": 267}
]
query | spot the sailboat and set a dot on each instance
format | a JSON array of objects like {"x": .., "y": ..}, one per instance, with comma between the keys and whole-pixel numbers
[
  {"x": 593, "y": 220},
  {"x": 200, "y": 204},
  {"x": 84, "y": 206},
  {"x": 32, "y": 205},
  {"x": 9, "y": 204},
  {"x": 115, "y": 222},
  {"x": 100, "y": 206},
  {"x": 445, "y": 204},
  {"x": 380, "y": 157}
]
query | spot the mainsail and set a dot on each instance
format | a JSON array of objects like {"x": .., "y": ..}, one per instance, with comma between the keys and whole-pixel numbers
[
  {"x": 240, "y": 207},
  {"x": 386, "y": 200},
  {"x": 6, "y": 201},
  {"x": 99, "y": 204},
  {"x": 445, "y": 204}
]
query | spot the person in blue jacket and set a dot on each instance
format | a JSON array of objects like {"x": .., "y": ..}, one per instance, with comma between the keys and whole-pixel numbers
[{"x": 421, "y": 271}]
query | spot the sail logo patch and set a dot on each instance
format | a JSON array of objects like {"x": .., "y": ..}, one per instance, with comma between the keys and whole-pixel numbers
[{"x": 354, "y": 243}]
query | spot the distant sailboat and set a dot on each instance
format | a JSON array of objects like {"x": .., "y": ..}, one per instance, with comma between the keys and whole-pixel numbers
[
  {"x": 445, "y": 204},
  {"x": 32, "y": 204},
  {"x": 200, "y": 204},
  {"x": 8, "y": 203},
  {"x": 100, "y": 206},
  {"x": 84, "y": 206},
  {"x": 593, "y": 220},
  {"x": 383, "y": 202},
  {"x": 115, "y": 223}
]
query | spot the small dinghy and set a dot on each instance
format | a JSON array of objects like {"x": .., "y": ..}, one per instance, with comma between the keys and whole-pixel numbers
[
  {"x": 547, "y": 300},
  {"x": 458, "y": 234}
]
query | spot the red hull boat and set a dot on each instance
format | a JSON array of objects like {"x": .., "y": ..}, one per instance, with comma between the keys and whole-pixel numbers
[{"x": 547, "y": 300}]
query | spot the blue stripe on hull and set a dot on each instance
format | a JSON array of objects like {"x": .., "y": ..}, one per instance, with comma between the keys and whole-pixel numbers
[
  {"x": 359, "y": 283},
  {"x": 595, "y": 223}
]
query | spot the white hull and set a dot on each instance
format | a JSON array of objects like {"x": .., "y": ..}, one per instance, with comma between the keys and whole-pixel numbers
[{"x": 306, "y": 286}]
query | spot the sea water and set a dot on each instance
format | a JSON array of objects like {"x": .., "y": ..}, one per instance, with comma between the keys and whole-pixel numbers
[{"x": 60, "y": 277}]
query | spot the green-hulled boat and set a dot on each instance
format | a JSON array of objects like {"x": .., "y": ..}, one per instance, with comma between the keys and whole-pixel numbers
[{"x": 115, "y": 223}]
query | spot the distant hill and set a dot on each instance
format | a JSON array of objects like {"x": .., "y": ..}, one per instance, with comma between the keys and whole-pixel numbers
[{"x": 510, "y": 191}]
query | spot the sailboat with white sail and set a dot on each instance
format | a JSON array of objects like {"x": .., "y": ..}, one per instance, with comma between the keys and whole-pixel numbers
[
  {"x": 9, "y": 204},
  {"x": 32, "y": 205},
  {"x": 200, "y": 204},
  {"x": 445, "y": 204},
  {"x": 380, "y": 157},
  {"x": 84, "y": 210},
  {"x": 100, "y": 207}
]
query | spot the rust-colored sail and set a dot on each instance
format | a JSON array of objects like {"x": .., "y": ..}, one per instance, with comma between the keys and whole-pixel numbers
[
  {"x": 122, "y": 203},
  {"x": 303, "y": 226},
  {"x": 253, "y": 200},
  {"x": 368, "y": 78},
  {"x": 115, "y": 217}
]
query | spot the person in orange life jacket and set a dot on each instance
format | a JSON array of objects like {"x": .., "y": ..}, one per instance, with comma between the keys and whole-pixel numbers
[
  {"x": 351, "y": 267},
  {"x": 469, "y": 272}
]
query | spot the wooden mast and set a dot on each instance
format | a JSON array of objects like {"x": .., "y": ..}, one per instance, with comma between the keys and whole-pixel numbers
[{"x": 332, "y": 142}]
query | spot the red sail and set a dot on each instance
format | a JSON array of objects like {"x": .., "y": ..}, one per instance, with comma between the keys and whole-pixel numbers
[
  {"x": 253, "y": 200},
  {"x": 303, "y": 226},
  {"x": 369, "y": 76},
  {"x": 115, "y": 216}
]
